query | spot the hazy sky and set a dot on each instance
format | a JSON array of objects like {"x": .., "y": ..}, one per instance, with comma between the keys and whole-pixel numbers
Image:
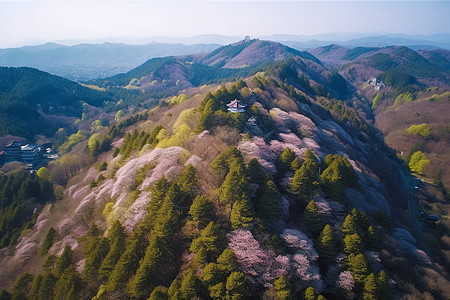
[{"x": 31, "y": 22}]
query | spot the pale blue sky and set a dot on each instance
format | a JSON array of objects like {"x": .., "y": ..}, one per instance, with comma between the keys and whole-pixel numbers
[{"x": 31, "y": 22}]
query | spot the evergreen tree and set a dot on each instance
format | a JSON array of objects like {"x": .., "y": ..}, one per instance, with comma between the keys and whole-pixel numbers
[
  {"x": 64, "y": 261},
  {"x": 128, "y": 262},
  {"x": 370, "y": 239},
  {"x": 326, "y": 244},
  {"x": 68, "y": 281},
  {"x": 174, "y": 290},
  {"x": 349, "y": 226},
  {"x": 202, "y": 210},
  {"x": 255, "y": 172},
  {"x": 188, "y": 182},
  {"x": 305, "y": 180},
  {"x": 269, "y": 205},
  {"x": 218, "y": 291},
  {"x": 35, "y": 286},
  {"x": 116, "y": 236},
  {"x": 46, "y": 288},
  {"x": 22, "y": 286},
  {"x": 383, "y": 287},
  {"x": 352, "y": 244},
  {"x": 312, "y": 218},
  {"x": 223, "y": 162},
  {"x": 296, "y": 164},
  {"x": 190, "y": 285},
  {"x": 148, "y": 275},
  {"x": 159, "y": 293},
  {"x": 94, "y": 260},
  {"x": 370, "y": 288},
  {"x": 157, "y": 193},
  {"x": 282, "y": 289},
  {"x": 285, "y": 161},
  {"x": 242, "y": 212},
  {"x": 212, "y": 274},
  {"x": 227, "y": 261},
  {"x": 358, "y": 266},
  {"x": 210, "y": 240},
  {"x": 236, "y": 286},
  {"x": 310, "y": 293},
  {"x": 48, "y": 241},
  {"x": 166, "y": 223},
  {"x": 309, "y": 155},
  {"x": 235, "y": 185}
]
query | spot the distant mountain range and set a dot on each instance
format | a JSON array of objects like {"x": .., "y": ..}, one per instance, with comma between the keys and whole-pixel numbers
[
  {"x": 89, "y": 61},
  {"x": 86, "y": 61}
]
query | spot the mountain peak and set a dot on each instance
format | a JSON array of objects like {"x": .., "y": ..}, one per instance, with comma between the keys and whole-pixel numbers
[{"x": 250, "y": 52}]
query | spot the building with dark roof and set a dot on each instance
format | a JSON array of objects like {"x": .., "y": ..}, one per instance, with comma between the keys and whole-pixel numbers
[
  {"x": 13, "y": 151},
  {"x": 30, "y": 154}
]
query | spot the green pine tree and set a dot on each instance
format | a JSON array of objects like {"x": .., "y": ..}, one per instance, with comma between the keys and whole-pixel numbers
[
  {"x": 48, "y": 241},
  {"x": 128, "y": 262},
  {"x": 211, "y": 241},
  {"x": 202, "y": 210},
  {"x": 242, "y": 212},
  {"x": 190, "y": 285},
  {"x": 94, "y": 260},
  {"x": 64, "y": 261},
  {"x": 255, "y": 172},
  {"x": 212, "y": 274},
  {"x": 269, "y": 205},
  {"x": 159, "y": 293},
  {"x": 352, "y": 244},
  {"x": 236, "y": 286},
  {"x": 285, "y": 161},
  {"x": 296, "y": 164},
  {"x": 349, "y": 226},
  {"x": 68, "y": 281},
  {"x": 312, "y": 218},
  {"x": 235, "y": 185},
  {"x": 370, "y": 239},
  {"x": 383, "y": 287},
  {"x": 174, "y": 290},
  {"x": 310, "y": 293},
  {"x": 167, "y": 221},
  {"x": 35, "y": 286},
  {"x": 188, "y": 183},
  {"x": 148, "y": 275},
  {"x": 326, "y": 244},
  {"x": 227, "y": 261},
  {"x": 370, "y": 288},
  {"x": 22, "y": 286},
  {"x": 282, "y": 288},
  {"x": 305, "y": 180},
  {"x": 358, "y": 266},
  {"x": 116, "y": 237},
  {"x": 46, "y": 288}
]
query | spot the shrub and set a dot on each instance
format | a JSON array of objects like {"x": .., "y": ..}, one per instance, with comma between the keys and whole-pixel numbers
[
  {"x": 418, "y": 162},
  {"x": 422, "y": 129}
]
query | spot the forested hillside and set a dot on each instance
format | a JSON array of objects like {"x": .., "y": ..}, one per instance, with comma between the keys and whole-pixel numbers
[
  {"x": 192, "y": 201},
  {"x": 165, "y": 193}
]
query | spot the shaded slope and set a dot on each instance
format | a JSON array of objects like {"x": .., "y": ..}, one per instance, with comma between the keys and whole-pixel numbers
[{"x": 27, "y": 94}]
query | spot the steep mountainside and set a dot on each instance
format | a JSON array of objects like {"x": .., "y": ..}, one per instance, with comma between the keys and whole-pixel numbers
[
  {"x": 165, "y": 76},
  {"x": 34, "y": 102},
  {"x": 251, "y": 52},
  {"x": 90, "y": 61},
  {"x": 194, "y": 201},
  {"x": 296, "y": 196}
]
